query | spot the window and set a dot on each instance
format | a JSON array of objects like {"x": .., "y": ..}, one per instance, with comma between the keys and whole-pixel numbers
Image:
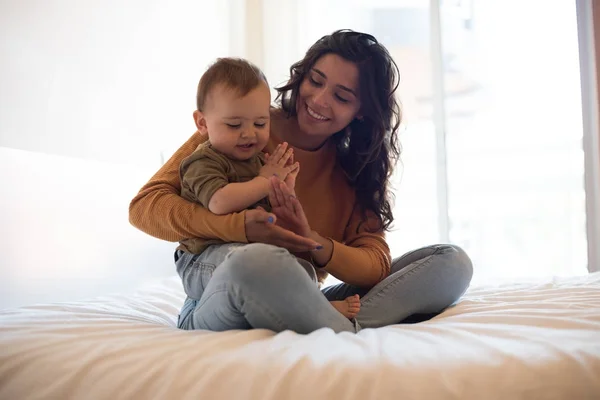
[
  {"x": 515, "y": 165},
  {"x": 492, "y": 131}
]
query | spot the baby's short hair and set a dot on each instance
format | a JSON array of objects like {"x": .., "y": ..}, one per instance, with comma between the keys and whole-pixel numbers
[{"x": 235, "y": 73}]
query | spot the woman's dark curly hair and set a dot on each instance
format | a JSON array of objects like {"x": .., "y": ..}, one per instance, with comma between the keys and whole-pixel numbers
[{"x": 368, "y": 148}]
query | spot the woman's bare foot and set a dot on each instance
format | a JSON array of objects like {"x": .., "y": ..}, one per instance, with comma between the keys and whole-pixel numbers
[{"x": 348, "y": 307}]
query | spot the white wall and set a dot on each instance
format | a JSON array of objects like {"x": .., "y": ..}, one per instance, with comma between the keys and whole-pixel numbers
[
  {"x": 104, "y": 79},
  {"x": 64, "y": 230},
  {"x": 93, "y": 94}
]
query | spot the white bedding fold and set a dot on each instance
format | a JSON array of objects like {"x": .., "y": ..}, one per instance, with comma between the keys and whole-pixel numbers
[{"x": 517, "y": 341}]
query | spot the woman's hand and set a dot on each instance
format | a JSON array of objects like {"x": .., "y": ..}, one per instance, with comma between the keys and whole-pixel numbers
[
  {"x": 290, "y": 180},
  {"x": 290, "y": 215},
  {"x": 287, "y": 208},
  {"x": 261, "y": 228}
]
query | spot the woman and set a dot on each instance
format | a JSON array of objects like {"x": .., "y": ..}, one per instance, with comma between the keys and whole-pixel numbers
[{"x": 339, "y": 113}]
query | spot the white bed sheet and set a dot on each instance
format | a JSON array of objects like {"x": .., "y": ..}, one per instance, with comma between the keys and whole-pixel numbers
[{"x": 513, "y": 341}]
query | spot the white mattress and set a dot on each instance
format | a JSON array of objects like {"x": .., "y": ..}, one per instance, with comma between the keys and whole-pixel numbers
[{"x": 517, "y": 341}]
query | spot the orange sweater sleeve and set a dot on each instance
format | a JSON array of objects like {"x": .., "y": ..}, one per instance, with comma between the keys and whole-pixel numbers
[
  {"x": 364, "y": 258},
  {"x": 160, "y": 211}
]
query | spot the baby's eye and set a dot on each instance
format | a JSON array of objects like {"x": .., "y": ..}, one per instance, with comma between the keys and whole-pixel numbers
[
  {"x": 234, "y": 126},
  {"x": 260, "y": 124}
]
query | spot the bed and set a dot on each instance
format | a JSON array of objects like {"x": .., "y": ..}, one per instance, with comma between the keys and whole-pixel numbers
[{"x": 528, "y": 340}]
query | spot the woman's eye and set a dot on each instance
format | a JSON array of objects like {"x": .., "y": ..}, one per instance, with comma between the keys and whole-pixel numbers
[
  {"x": 314, "y": 82},
  {"x": 340, "y": 98}
]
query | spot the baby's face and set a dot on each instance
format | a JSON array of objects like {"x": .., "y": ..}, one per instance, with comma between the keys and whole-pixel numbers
[{"x": 238, "y": 126}]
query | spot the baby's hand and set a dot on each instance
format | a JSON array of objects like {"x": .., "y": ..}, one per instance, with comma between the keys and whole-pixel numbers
[{"x": 278, "y": 164}]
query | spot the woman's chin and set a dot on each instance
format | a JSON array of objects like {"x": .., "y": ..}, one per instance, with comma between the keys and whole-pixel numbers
[
  {"x": 310, "y": 128},
  {"x": 311, "y": 131}
]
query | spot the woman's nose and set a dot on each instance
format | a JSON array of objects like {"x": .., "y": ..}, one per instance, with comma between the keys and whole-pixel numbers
[{"x": 320, "y": 97}]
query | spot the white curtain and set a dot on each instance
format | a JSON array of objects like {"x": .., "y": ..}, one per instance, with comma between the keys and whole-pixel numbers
[{"x": 492, "y": 133}]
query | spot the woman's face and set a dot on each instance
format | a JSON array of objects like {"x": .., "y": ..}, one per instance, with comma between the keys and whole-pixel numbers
[{"x": 328, "y": 99}]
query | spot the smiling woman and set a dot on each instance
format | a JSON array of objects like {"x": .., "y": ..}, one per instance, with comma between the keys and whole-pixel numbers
[
  {"x": 325, "y": 91},
  {"x": 327, "y": 104}
]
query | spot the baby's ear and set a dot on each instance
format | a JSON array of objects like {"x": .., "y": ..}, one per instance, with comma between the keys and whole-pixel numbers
[{"x": 200, "y": 122}]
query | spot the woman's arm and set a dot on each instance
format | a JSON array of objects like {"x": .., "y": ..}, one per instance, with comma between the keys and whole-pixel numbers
[
  {"x": 160, "y": 211},
  {"x": 363, "y": 259}
]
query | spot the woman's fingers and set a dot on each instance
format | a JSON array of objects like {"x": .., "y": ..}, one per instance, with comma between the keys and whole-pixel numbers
[
  {"x": 273, "y": 200},
  {"x": 297, "y": 208},
  {"x": 275, "y": 195},
  {"x": 285, "y": 196},
  {"x": 291, "y": 241},
  {"x": 285, "y": 191},
  {"x": 259, "y": 214},
  {"x": 259, "y": 230}
]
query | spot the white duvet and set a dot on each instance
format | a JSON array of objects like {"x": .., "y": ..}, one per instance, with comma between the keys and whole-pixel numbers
[{"x": 517, "y": 341}]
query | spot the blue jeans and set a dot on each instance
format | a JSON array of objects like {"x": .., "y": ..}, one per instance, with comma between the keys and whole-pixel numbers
[{"x": 242, "y": 286}]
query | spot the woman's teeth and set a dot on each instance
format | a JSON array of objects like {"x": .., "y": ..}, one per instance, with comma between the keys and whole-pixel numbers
[{"x": 315, "y": 114}]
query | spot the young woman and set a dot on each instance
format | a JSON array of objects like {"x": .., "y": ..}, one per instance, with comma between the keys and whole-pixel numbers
[{"x": 339, "y": 114}]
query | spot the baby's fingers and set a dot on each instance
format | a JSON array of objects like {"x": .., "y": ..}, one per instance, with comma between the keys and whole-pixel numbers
[
  {"x": 290, "y": 160},
  {"x": 278, "y": 153},
  {"x": 283, "y": 161}
]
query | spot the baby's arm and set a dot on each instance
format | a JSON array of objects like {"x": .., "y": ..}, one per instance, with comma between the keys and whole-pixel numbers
[
  {"x": 235, "y": 197},
  {"x": 205, "y": 181},
  {"x": 238, "y": 196},
  {"x": 204, "y": 176}
]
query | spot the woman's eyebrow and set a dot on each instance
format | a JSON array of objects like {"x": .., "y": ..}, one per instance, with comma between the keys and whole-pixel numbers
[{"x": 347, "y": 89}]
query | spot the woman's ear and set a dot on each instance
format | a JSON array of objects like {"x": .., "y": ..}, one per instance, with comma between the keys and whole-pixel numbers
[{"x": 200, "y": 121}]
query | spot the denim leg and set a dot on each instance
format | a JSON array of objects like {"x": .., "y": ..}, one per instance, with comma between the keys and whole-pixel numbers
[
  {"x": 264, "y": 287},
  {"x": 196, "y": 270},
  {"x": 422, "y": 281}
]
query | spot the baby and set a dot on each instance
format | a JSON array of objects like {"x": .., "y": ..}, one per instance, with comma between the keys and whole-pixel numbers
[{"x": 229, "y": 173}]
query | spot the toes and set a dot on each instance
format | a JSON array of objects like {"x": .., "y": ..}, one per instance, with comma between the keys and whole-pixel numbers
[
  {"x": 353, "y": 300},
  {"x": 354, "y": 307}
]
